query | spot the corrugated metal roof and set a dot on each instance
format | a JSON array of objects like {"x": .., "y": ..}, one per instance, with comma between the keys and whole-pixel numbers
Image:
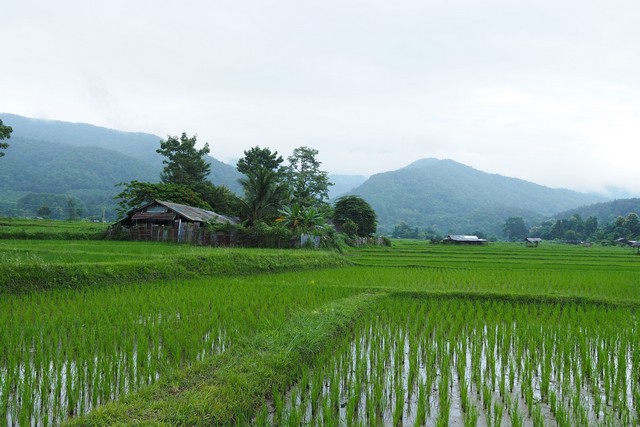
[
  {"x": 197, "y": 214},
  {"x": 464, "y": 238},
  {"x": 533, "y": 239}
]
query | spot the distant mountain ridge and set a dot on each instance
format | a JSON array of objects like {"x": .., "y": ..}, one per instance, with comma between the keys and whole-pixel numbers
[
  {"x": 52, "y": 158},
  {"x": 138, "y": 145},
  {"x": 449, "y": 197},
  {"x": 606, "y": 212}
]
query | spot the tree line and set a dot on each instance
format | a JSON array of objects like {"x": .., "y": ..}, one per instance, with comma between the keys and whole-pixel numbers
[
  {"x": 279, "y": 201},
  {"x": 576, "y": 229}
]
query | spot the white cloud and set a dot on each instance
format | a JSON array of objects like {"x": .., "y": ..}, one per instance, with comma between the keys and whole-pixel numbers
[{"x": 545, "y": 91}]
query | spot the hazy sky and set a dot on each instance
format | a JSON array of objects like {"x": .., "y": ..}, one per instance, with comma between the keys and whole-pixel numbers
[{"x": 547, "y": 91}]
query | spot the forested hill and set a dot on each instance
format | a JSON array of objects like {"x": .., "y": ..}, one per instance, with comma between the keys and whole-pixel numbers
[
  {"x": 140, "y": 146},
  {"x": 449, "y": 197},
  {"x": 606, "y": 212},
  {"x": 49, "y": 161}
]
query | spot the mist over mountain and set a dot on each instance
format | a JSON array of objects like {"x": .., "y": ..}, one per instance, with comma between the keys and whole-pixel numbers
[
  {"x": 50, "y": 161},
  {"x": 448, "y": 197}
]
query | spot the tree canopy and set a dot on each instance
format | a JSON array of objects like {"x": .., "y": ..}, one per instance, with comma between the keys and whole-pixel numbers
[
  {"x": 5, "y": 133},
  {"x": 356, "y": 210},
  {"x": 184, "y": 164},
  {"x": 259, "y": 158},
  {"x": 515, "y": 229},
  {"x": 137, "y": 193},
  {"x": 309, "y": 185}
]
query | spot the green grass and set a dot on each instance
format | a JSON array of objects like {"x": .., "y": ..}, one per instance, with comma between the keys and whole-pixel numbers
[
  {"x": 34, "y": 265},
  {"x": 283, "y": 321},
  {"x": 20, "y": 228}
]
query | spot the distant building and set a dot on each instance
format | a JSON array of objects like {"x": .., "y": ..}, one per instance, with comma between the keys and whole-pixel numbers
[
  {"x": 532, "y": 241},
  {"x": 173, "y": 222},
  {"x": 459, "y": 239}
]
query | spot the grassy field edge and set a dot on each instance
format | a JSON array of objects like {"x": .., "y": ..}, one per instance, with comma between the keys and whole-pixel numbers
[
  {"x": 228, "y": 388},
  {"x": 20, "y": 278}
]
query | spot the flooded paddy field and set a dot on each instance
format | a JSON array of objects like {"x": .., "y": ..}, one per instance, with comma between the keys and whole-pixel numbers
[
  {"x": 66, "y": 352},
  {"x": 461, "y": 361},
  {"x": 416, "y": 334}
]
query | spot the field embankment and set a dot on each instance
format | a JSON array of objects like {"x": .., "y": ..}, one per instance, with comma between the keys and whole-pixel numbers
[
  {"x": 226, "y": 389},
  {"x": 33, "y": 265},
  {"x": 47, "y": 229}
]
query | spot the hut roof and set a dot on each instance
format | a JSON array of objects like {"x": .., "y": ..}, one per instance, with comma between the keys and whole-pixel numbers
[
  {"x": 464, "y": 238},
  {"x": 196, "y": 214},
  {"x": 173, "y": 210},
  {"x": 533, "y": 239}
]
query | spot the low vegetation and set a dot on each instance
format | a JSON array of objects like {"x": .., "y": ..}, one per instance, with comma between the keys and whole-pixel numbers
[{"x": 414, "y": 334}]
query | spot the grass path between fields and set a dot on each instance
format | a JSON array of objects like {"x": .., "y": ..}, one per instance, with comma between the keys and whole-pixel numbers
[{"x": 226, "y": 389}]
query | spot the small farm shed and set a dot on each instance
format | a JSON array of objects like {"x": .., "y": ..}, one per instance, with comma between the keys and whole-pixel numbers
[
  {"x": 636, "y": 247},
  {"x": 173, "y": 222},
  {"x": 532, "y": 241},
  {"x": 459, "y": 239}
]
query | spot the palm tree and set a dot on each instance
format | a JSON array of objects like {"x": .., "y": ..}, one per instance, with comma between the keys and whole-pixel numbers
[
  {"x": 301, "y": 221},
  {"x": 263, "y": 194}
]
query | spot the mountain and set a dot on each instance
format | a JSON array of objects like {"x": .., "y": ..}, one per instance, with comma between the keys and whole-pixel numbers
[
  {"x": 49, "y": 161},
  {"x": 137, "y": 145},
  {"x": 606, "y": 212},
  {"x": 449, "y": 197},
  {"x": 342, "y": 184}
]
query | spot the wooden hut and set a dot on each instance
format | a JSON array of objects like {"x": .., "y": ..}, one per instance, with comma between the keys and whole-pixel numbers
[
  {"x": 532, "y": 241},
  {"x": 173, "y": 222}
]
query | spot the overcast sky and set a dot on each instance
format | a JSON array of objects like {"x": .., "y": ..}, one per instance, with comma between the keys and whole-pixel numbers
[{"x": 547, "y": 91}]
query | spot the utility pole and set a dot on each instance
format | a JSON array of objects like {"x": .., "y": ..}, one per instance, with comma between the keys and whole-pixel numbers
[{"x": 104, "y": 214}]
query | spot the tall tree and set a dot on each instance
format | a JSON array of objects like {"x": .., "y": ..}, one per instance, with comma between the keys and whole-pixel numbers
[
  {"x": 259, "y": 158},
  {"x": 263, "y": 194},
  {"x": 514, "y": 228},
  {"x": 263, "y": 184},
  {"x": 5, "y": 133},
  {"x": 309, "y": 185},
  {"x": 184, "y": 164},
  {"x": 357, "y": 210}
]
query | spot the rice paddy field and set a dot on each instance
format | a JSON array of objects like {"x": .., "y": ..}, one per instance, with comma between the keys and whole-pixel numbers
[{"x": 412, "y": 335}]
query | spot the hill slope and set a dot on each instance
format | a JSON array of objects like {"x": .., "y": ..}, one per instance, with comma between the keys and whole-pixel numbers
[
  {"x": 137, "y": 145},
  {"x": 606, "y": 212},
  {"x": 48, "y": 161},
  {"x": 450, "y": 197}
]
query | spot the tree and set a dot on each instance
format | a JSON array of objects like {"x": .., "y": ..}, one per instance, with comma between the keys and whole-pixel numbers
[
  {"x": 259, "y": 158},
  {"x": 263, "y": 194},
  {"x": 309, "y": 185},
  {"x": 73, "y": 210},
  {"x": 300, "y": 220},
  {"x": 632, "y": 223},
  {"x": 5, "y": 133},
  {"x": 136, "y": 194},
  {"x": 184, "y": 165},
  {"x": 222, "y": 200},
  {"x": 590, "y": 226},
  {"x": 44, "y": 211},
  {"x": 263, "y": 184},
  {"x": 514, "y": 228},
  {"x": 357, "y": 210}
]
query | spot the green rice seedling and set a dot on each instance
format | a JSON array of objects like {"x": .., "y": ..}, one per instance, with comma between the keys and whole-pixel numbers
[
  {"x": 517, "y": 418},
  {"x": 498, "y": 408},
  {"x": 471, "y": 417},
  {"x": 537, "y": 417}
]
